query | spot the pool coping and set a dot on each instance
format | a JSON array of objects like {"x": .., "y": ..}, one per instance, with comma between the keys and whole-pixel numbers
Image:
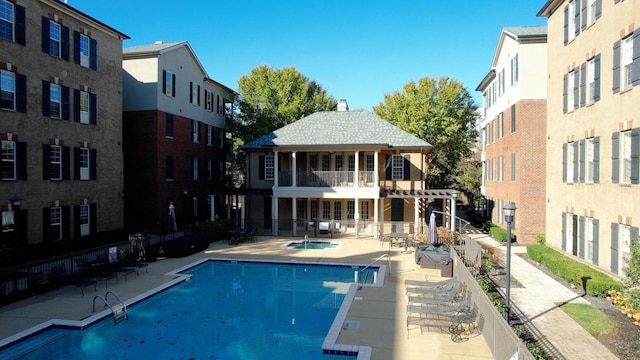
[
  {"x": 329, "y": 345},
  {"x": 337, "y": 247}
]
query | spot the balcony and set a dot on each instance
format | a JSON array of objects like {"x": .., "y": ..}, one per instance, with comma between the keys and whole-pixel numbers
[{"x": 327, "y": 178}]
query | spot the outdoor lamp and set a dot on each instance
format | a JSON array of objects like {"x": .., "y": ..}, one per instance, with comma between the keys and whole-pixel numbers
[
  {"x": 15, "y": 201},
  {"x": 509, "y": 212}
]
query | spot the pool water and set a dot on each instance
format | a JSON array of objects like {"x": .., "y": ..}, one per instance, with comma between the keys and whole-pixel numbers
[
  {"x": 313, "y": 245},
  {"x": 228, "y": 310}
]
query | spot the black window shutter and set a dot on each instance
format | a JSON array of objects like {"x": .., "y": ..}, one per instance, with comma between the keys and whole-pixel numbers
[
  {"x": 198, "y": 95},
  {"x": 596, "y": 78},
  {"x": 633, "y": 234},
  {"x": 76, "y": 47},
  {"x": 577, "y": 19},
  {"x": 76, "y": 221},
  {"x": 93, "y": 54},
  {"x": 635, "y": 155},
  {"x": 191, "y": 92},
  {"x": 575, "y": 161},
  {"x": 581, "y": 237},
  {"x": 21, "y": 166},
  {"x": 584, "y": 14},
  {"x": 407, "y": 167},
  {"x": 65, "y": 43},
  {"x": 566, "y": 24},
  {"x": 164, "y": 81},
  {"x": 261, "y": 167},
  {"x": 66, "y": 222},
  {"x": 513, "y": 118},
  {"x": 564, "y": 163},
  {"x": 93, "y": 219},
  {"x": 565, "y": 88},
  {"x": 46, "y": 162},
  {"x": 596, "y": 159},
  {"x": 93, "y": 168},
  {"x": 76, "y": 163},
  {"x": 66, "y": 163},
  {"x": 616, "y": 67},
  {"x": 21, "y": 93},
  {"x": 614, "y": 248},
  {"x": 173, "y": 85},
  {"x": 583, "y": 84},
  {"x": 45, "y": 35},
  {"x": 635, "y": 66},
  {"x": 598, "y": 9},
  {"x": 576, "y": 89},
  {"x": 76, "y": 105},
  {"x": 615, "y": 157},
  {"x": 596, "y": 241},
  {"x": 582, "y": 160},
  {"x": 93, "y": 109},
  {"x": 20, "y": 25},
  {"x": 46, "y": 98},
  {"x": 388, "y": 171},
  {"x": 65, "y": 103},
  {"x": 564, "y": 231},
  {"x": 46, "y": 225}
]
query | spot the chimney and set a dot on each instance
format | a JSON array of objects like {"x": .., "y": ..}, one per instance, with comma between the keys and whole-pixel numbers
[{"x": 342, "y": 105}]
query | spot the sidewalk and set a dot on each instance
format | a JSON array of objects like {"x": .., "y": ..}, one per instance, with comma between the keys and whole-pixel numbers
[{"x": 538, "y": 300}]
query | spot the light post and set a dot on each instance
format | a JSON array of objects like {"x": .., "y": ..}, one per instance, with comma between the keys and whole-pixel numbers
[{"x": 509, "y": 212}]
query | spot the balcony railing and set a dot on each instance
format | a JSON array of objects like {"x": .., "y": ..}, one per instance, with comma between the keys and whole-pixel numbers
[{"x": 327, "y": 178}]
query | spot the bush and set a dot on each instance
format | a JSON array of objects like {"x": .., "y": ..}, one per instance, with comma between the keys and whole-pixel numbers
[
  {"x": 541, "y": 239},
  {"x": 499, "y": 233},
  {"x": 592, "y": 281}
]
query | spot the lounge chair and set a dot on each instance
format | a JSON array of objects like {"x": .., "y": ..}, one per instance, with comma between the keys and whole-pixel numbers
[
  {"x": 451, "y": 311},
  {"x": 431, "y": 284},
  {"x": 451, "y": 297},
  {"x": 434, "y": 291}
]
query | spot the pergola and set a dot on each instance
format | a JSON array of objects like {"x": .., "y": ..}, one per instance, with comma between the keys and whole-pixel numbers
[{"x": 428, "y": 194}]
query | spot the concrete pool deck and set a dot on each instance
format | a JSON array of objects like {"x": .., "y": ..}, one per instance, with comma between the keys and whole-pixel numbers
[{"x": 379, "y": 311}]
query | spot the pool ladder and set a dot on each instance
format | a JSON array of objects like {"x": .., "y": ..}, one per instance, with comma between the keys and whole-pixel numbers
[
  {"x": 119, "y": 313},
  {"x": 364, "y": 276}
]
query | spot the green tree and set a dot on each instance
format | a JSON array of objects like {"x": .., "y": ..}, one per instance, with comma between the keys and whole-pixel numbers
[
  {"x": 269, "y": 99},
  {"x": 441, "y": 112},
  {"x": 469, "y": 178}
]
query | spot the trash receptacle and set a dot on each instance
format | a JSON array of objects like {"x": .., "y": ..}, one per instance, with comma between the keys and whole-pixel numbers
[{"x": 446, "y": 270}]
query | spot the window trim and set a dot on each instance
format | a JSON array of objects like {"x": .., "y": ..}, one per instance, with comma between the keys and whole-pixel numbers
[
  {"x": 53, "y": 101},
  {"x": 13, "y": 159},
  {"x": 55, "y": 162},
  {"x": 12, "y": 21},
  {"x": 13, "y": 91},
  {"x": 269, "y": 167}
]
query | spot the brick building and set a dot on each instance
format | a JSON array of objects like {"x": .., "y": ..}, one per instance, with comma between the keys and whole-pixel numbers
[
  {"x": 513, "y": 123},
  {"x": 61, "y": 127},
  {"x": 176, "y": 147},
  {"x": 593, "y": 130}
]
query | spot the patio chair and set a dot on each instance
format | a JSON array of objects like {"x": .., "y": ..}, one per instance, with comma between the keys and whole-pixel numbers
[{"x": 464, "y": 323}]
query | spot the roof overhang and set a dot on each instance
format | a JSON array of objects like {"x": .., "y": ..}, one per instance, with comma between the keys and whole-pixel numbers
[
  {"x": 549, "y": 8},
  {"x": 421, "y": 194}
]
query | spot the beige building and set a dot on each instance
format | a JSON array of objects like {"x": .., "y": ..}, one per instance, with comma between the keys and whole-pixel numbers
[
  {"x": 513, "y": 130},
  {"x": 61, "y": 128},
  {"x": 593, "y": 129}
]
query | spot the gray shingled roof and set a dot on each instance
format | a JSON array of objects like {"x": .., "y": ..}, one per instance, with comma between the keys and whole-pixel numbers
[
  {"x": 339, "y": 128},
  {"x": 527, "y": 31},
  {"x": 151, "y": 48}
]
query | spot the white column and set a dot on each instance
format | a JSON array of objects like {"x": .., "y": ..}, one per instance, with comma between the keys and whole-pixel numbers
[
  {"x": 376, "y": 179},
  {"x": 294, "y": 212},
  {"x": 381, "y": 223},
  {"x": 376, "y": 223},
  {"x": 356, "y": 176},
  {"x": 275, "y": 169},
  {"x": 294, "y": 177},
  {"x": 454, "y": 194},
  {"x": 356, "y": 214}
]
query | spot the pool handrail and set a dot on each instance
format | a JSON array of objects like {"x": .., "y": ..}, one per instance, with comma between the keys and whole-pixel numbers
[{"x": 373, "y": 262}]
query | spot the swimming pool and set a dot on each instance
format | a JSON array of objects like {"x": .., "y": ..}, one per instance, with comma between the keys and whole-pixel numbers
[
  {"x": 228, "y": 309},
  {"x": 313, "y": 245}
]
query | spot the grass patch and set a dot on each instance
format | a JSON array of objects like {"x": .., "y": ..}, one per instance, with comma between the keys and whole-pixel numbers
[{"x": 592, "y": 319}]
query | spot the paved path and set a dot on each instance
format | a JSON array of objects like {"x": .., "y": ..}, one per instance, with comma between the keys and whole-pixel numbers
[{"x": 538, "y": 300}]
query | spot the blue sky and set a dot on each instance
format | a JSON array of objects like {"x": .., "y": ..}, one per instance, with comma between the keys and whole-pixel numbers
[{"x": 357, "y": 50}]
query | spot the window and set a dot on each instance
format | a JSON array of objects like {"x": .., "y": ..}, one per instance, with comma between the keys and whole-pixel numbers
[
  {"x": 369, "y": 162},
  {"x": 8, "y": 221},
  {"x": 572, "y": 21},
  {"x": 7, "y": 21},
  {"x": 195, "y": 168},
  {"x": 625, "y": 157},
  {"x": 571, "y": 88},
  {"x": 54, "y": 38},
  {"x": 85, "y": 115},
  {"x": 364, "y": 210},
  {"x": 397, "y": 167},
  {"x": 326, "y": 210},
  {"x": 513, "y": 166},
  {"x": 337, "y": 210},
  {"x": 625, "y": 244},
  {"x": 501, "y": 168},
  {"x": 500, "y": 125},
  {"x": 84, "y": 164},
  {"x": 208, "y": 105},
  {"x": 501, "y": 82},
  {"x": 194, "y": 205},
  {"x": 627, "y": 63},
  {"x": 326, "y": 163},
  {"x": 168, "y": 162},
  {"x": 56, "y": 223},
  {"x": 339, "y": 162},
  {"x": 195, "y": 131},
  {"x": 55, "y": 101},
  {"x": 592, "y": 90},
  {"x": 571, "y": 155},
  {"x": 168, "y": 83},
  {"x": 590, "y": 160},
  {"x": 194, "y": 94},
  {"x": 571, "y": 225},
  {"x": 514, "y": 70},
  {"x": 269, "y": 167},
  {"x": 8, "y": 160},
  {"x": 594, "y": 10},
  {"x": 513, "y": 118},
  {"x": 588, "y": 239},
  {"x": 85, "y": 220},
  {"x": 209, "y": 170},
  {"x": 168, "y": 131},
  {"x": 351, "y": 163},
  {"x": 8, "y": 88},
  {"x": 84, "y": 50},
  {"x": 55, "y": 158},
  {"x": 209, "y": 135},
  {"x": 314, "y": 209}
]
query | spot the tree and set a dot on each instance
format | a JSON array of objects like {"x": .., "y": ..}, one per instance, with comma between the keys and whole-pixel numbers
[
  {"x": 272, "y": 98},
  {"x": 268, "y": 100},
  {"x": 469, "y": 177},
  {"x": 441, "y": 112}
]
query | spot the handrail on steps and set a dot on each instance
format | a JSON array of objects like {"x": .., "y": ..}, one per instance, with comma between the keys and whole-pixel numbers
[{"x": 373, "y": 262}]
